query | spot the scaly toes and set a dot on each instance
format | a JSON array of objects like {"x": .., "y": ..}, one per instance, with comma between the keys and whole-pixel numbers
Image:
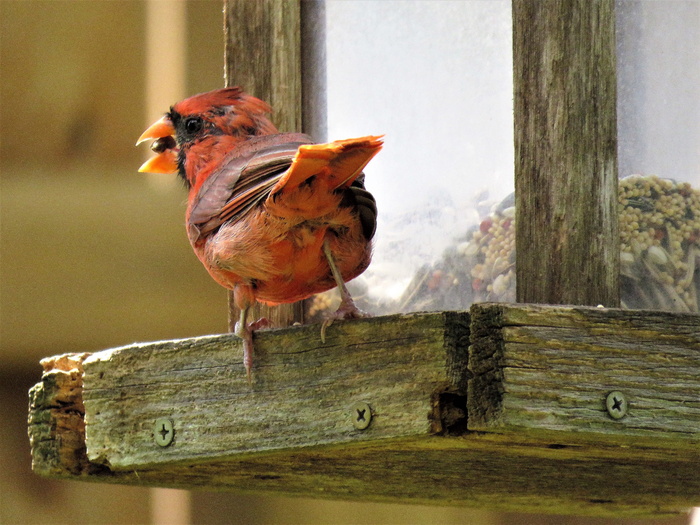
[{"x": 347, "y": 310}]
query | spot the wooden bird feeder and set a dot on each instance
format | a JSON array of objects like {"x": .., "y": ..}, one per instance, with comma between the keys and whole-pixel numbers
[{"x": 520, "y": 407}]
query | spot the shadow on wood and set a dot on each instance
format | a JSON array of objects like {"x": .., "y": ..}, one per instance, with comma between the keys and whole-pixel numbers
[{"x": 379, "y": 411}]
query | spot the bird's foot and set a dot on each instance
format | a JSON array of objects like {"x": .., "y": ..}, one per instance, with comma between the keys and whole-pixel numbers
[
  {"x": 346, "y": 310},
  {"x": 263, "y": 322},
  {"x": 245, "y": 332}
]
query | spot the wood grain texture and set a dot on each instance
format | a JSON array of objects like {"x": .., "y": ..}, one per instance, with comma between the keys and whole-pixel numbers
[
  {"x": 482, "y": 471},
  {"x": 567, "y": 237},
  {"x": 302, "y": 394},
  {"x": 56, "y": 418},
  {"x": 543, "y": 368},
  {"x": 263, "y": 56},
  {"x": 536, "y": 437}
]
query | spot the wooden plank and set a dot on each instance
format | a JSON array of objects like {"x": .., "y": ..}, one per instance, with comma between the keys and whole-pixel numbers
[
  {"x": 263, "y": 56},
  {"x": 537, "y": 437},
  {"x": 56, "y": 418},
  {"x": 544, "y": 368},
  {"x": 301, "y": 395},
  {"x": 567, "y": 237},
  {"x": 477, "y": 472}
]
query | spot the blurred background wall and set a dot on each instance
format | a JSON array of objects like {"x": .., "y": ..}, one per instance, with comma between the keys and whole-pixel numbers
[{"x": 94, "y": 255}]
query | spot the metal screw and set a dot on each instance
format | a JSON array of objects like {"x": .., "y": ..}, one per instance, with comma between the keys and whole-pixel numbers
[
  {"x": 361, "y": 416},
  {"x": 616, "y": 403},
  {"x": 163, "y": 431}
]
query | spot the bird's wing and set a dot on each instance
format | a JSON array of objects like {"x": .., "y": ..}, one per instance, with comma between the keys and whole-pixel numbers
[
  {"x": 339, "y": 163},
  {"x": 268, "y": 166},
  {"x": 245, "y": 178}
]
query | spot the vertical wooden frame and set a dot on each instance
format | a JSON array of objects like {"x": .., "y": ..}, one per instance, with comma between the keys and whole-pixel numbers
[
  {"x": 567, "y": 238},
  {"x": 263, "y": 56}
]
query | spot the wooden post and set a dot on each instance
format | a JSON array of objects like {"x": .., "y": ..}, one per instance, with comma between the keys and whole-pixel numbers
[
  {"x": 567, "y": 238},
  {"x": 263, "y": 56}
]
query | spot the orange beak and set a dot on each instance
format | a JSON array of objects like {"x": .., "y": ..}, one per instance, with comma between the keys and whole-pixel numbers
[{"x": 162, "y": 133}]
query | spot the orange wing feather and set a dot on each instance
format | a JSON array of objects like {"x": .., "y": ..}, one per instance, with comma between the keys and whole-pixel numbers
[{"x": 338, "y": 163}]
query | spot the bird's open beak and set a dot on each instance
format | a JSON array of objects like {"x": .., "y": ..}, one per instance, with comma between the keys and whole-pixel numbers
[{"x": 162, "y": 133}]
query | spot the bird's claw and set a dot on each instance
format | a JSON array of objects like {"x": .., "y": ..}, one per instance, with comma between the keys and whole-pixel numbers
[
  {"x": 245, "y": 332},
  {"x": 346, "y": 310},
  {"x": 263, "y": 322}
]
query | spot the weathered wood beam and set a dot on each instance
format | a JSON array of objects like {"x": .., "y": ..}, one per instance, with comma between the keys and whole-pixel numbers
[
  {"x": 304, "y": 392},
  {"x": 567, "y": 239},
  {"x": 544, "y": 368},
  {"x": 263, "y": 56},
  {"x": 533, "y": 433}
]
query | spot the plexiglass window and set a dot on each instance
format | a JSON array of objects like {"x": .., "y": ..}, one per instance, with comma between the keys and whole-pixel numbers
[
  {"x": 436, "y": 79},
  {"x": 658, "y": 52}
]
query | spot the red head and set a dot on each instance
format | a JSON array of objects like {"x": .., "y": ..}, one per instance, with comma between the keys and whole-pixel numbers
[{"x": 195, "y": 134}]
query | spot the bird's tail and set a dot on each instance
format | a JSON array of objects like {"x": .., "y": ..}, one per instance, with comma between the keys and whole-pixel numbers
[{"x": 339, "y": 163}]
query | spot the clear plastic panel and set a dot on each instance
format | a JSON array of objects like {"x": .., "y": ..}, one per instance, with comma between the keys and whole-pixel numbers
[
  {"x": 658, "y": 50},
  {"x": 436, "y": 79}
]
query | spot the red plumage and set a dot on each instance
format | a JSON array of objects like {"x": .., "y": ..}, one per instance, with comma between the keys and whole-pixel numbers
[{"x": 272, "y": 216}]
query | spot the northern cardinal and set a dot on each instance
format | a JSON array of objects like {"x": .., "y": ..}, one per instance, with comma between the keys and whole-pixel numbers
[{"x": 272, "y": 216}]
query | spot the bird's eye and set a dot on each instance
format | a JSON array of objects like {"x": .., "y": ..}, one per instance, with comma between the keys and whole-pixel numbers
[{"x": 193, "y": 125}]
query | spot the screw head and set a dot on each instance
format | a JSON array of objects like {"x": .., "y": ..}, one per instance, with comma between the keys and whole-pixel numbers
[
  {"x": 361, "y": 415},
  {"x": 616, "y": 403},
  {"x": 163, "y": 431}
]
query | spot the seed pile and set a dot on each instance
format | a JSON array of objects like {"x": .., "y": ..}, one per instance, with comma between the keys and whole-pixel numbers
[
  {"x": 659, "y": 244},
  {"x": 659, "y": 255}
]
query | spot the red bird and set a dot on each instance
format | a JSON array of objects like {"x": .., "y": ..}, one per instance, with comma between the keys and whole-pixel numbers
[{"x": 272, "y": 216}]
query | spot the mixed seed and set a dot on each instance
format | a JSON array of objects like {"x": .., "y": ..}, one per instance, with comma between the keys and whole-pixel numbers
[
  {"x": 659, "y": 256},
  {"x": 660, "y": 244}
]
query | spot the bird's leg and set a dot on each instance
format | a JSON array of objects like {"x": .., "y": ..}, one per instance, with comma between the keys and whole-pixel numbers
[
  {"x": 244, "y": 331},
  {"x": 244, "y": 299},
  {"x": 347, "y": 308}
]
